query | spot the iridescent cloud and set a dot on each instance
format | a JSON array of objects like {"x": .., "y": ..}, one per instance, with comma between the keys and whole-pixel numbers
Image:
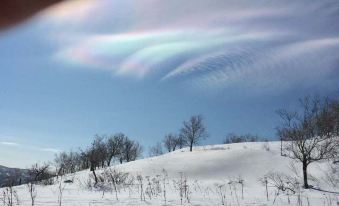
[{"x": 209, "y": 43}]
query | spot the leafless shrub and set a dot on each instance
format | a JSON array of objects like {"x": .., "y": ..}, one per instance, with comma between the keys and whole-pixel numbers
[
  {"x": 32, "y": 192},
  {"x": 149, "y": 188},
  {"x": 264, "y": 181},
  {"x": 164, "y": 182},
  {"x": 86, "y": 183},
  {"x": 116, "y": 179},
  {"x": 156, "y": 182},
  {"x": 282, "y": 184},
  {"x": 141, "y": 185},
  {"x": 233, "y": 188},
  {"x": 153, "y": 187},
  {"x": 221, "y": 191},
  {"x": 184, "y": 190},
  {"x": 101, "y": 186},
  {"x": 9, "y": 196},
  {"x": 241, "y": 181},
  {"x": 61, "y": 188}
]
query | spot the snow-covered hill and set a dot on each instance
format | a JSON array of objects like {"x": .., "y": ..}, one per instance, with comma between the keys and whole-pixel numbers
[{"x": 210, "y": 175}]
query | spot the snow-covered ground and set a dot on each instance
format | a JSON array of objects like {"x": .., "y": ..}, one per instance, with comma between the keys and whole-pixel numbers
[{"x": 210, "y": 175}]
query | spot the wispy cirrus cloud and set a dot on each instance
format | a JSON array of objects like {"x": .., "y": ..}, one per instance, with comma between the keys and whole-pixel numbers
[
  {"x": 215, "y": 44},
  {"x": 294, "y": 62},
  {"x": 9, "y": 143},
  {"x": 29, "y": 147},
  {"x": 52, "y": 150}
]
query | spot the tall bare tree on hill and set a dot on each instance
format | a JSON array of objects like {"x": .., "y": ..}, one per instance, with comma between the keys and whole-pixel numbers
[
  {"x": 193, "y": 131},
  {"x": 310, "y": 134}
]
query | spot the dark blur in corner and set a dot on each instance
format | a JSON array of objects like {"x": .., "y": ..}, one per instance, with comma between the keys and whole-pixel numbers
[{"x": 13, "y": 12}]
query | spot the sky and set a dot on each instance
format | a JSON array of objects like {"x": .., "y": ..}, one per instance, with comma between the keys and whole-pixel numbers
[{"x": 87, "y": 67}]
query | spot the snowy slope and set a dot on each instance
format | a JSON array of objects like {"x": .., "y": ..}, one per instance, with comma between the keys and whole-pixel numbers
[
  {"x": 215, "y": 162},
  {"x": 207, "y": 168}
]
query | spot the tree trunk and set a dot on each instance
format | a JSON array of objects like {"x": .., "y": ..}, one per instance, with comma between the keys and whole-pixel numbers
[
  {"x": 109, "y": 160},
  {"x": 306, "y": 186},
  {"x": 191, "y": 146},
  {"x": 95, "y": 177}
]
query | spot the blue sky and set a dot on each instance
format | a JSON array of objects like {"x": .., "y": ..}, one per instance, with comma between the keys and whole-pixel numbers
[{"x": 142, "y": 67}]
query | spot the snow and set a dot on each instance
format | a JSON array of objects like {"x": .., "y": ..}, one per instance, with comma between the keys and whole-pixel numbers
[{"x": 206, "y": 168}]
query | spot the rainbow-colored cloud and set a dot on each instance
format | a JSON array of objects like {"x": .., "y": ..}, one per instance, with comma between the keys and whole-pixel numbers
[{"x": 209, "y": 43}]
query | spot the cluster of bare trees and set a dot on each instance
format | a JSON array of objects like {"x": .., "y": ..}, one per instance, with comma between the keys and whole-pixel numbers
[
  {"x": 104, "y": 150},
  {"x": 310, "y": 134},
  {"x": 173, "y": 142},
  {"x": 192, "y": 133},
  {"x": 170, "y": 143},
  {"x": 235, "y": 138}
]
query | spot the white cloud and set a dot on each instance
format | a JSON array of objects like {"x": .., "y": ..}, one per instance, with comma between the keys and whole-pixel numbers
[
  {"x": 53, "y": 150},
  {"x": 9, "y": 143},
  {"x": 29, "y": 147}
]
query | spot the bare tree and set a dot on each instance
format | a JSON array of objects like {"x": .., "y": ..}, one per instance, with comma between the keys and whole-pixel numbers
[
  {"x": 100, "y": 149},
  {"x": 309, "y": 135},
  {"x": 83, "y": 159},
  {"x": 67, "y": 162},
  {"x": 193, "y": 131},
  {"x": 288, "y": 117},
  {"x": 171, "y": 142},
  {"x": 39, "y": 172},
  {"x": 114, "y": 146},
  {"x": 97, "y": 155},
  {"x": 180, "y": 142},
  {"x": 94, "y": 161},
  {"x": 131, "y": 150},
  {"x": 156, "y": 150}
]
